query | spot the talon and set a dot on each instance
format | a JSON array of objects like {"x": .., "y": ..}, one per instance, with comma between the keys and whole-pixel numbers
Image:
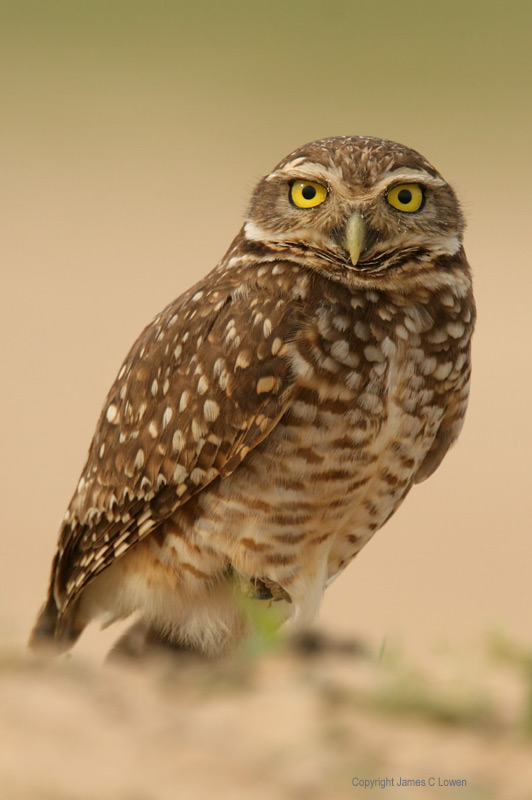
[{"x": 274, "y": 590}]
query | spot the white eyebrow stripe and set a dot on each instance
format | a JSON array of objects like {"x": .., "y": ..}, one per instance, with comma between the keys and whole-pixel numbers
[
  {"x": 409, "y": 176},
  {"x": 301, "y": 169},
  {"x": 255, "y": 233}
]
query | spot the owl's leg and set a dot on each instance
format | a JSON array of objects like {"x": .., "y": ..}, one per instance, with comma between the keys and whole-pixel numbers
[
  {"x": 142, "y": 641},
  {"x": 131, "y": 645},
  {"x": 306, "y": 588}
]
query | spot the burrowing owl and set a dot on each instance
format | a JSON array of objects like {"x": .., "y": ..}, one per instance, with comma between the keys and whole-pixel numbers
[{"x": 273, "y": 417}]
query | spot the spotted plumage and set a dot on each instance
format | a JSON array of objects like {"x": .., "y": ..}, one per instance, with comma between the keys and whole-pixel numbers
[{"x": 273, "y": 417}]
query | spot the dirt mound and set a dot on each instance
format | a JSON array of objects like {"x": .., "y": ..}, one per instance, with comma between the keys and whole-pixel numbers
[{"x": 323, "y": 720}]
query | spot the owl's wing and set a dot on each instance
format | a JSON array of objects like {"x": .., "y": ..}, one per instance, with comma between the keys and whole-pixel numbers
[
  {"x": 204, "y": 384},
  {"x": 450, "y": 426}
]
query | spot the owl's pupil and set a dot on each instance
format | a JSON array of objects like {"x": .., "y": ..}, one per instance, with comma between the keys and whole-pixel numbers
[
  {"x": 308, "y": 192},
  {"x": 404, "y": 196}
]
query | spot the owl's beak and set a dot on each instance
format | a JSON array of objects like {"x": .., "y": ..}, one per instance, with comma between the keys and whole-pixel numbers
[{"x": 355, "y": 232}]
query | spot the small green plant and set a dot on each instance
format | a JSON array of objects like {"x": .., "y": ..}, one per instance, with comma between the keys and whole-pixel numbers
[
  {"x": 263, "y": 620},
  {"x": 410, "y": 694}
]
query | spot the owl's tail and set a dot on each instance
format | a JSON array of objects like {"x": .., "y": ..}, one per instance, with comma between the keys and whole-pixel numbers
[
  {"x": 50, "y": 636},
  {"x": 53, "y": 632},
  {"x": 42, "y": 637}
]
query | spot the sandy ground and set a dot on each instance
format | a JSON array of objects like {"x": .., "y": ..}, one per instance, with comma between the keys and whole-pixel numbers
[{"x": 277, "y": 724}]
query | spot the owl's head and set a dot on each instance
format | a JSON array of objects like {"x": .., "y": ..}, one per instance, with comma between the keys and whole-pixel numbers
[{"x": 357, "y": 206}]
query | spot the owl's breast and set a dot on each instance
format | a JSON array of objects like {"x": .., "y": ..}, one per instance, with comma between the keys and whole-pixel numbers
[
  {"x": 336, "y": 466},
  {"x": 369, "y": 393}
]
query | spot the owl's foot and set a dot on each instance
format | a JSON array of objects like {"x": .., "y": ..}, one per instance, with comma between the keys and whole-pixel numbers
[
  {"x": 272, "y": 590},
  {"x": 263, "y": 589}
]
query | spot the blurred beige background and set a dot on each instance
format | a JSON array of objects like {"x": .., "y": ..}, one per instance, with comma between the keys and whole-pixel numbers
[{"x": 131, "y": 135}]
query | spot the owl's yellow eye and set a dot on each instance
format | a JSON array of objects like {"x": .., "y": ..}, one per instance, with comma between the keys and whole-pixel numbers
[
  {"x": 406, "y": 197},
  {"x": 306, "y": 194}
]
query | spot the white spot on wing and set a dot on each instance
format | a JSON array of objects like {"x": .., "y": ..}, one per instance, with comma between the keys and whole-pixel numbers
[
  {"x": 202, "y": 385},
  {"x": 266, "y": 384},
  {"x": 180, "y": 474},
  {"x": 276, "y": 346},
  {"x": 243, "y": 359},
  {"x": 139, "y": 459},
  {"x": 178, "y": 441},
  {"x": 211, "y": 410}
]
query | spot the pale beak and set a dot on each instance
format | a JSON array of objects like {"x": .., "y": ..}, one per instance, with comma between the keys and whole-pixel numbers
[{"x": 355, "y": 231}]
